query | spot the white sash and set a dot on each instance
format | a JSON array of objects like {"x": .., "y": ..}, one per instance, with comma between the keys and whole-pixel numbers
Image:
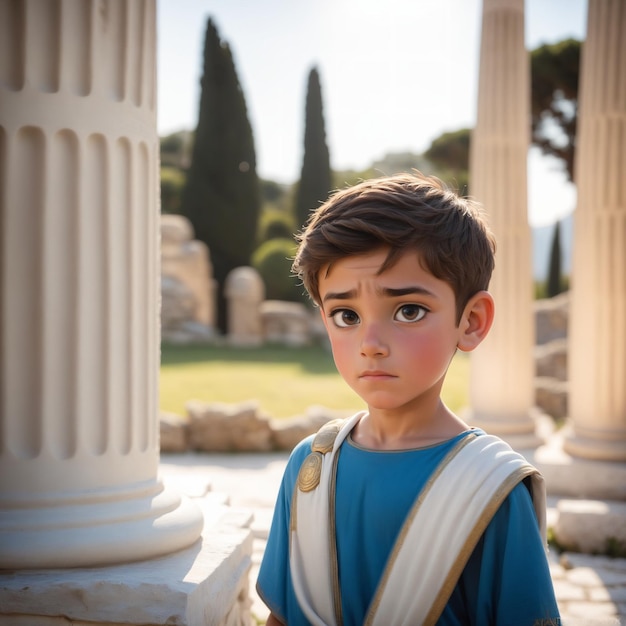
[
  {"x": 435, "y": 542},
  {"x": 310, "y": 544}
]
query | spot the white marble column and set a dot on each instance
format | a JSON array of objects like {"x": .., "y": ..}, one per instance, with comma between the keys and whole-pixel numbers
[
  {"x": 79, "y": 278},
  {"x": 597, "y": 336},
  {"x": 502, "y": 371}
]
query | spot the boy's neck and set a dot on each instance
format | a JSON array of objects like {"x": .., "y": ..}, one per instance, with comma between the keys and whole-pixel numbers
[{"x": 381, "y": 430}]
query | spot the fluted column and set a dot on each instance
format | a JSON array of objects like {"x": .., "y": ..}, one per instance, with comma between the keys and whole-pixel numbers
[
  {"x": 597, "y": 337},
  {"x": 501, "y": 379},
  {"x": 79, "y": 273}
]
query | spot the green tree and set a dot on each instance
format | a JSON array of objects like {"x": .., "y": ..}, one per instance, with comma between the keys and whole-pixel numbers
[
  {"x": 449, "y": 153},
  {"x": 277, "y": 196},
  {"x": 172, "y": 185},
  {"x": 272, "y": 259},
  {"x": 171, "y": 146},
  {"x": 554, "y": 105},
  {"x": 222, "y": 196},
  {"x": 554, "y": 99},
  {"x": 315, "y": 177},
  {"x": 554, "y": 285}
]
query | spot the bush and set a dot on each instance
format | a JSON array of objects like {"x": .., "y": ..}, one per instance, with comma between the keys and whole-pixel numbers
[
  {"x": 272, "y": 260},
  {"x": 172, "y": 183},
  {"x": 275, "y": 225}
]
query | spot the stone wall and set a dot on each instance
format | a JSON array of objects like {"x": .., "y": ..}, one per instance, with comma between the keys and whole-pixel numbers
[
  {"x": 218, "y": 427},
  {"x": 551, "y": 385}
]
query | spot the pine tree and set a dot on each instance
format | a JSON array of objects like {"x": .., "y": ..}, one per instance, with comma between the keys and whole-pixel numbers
[
  {"x": 222, "y": 194},
  {"x": 554, "y": 99},
  {"x": 315, "y": 177},
  {"x": 554, "y": 284}
]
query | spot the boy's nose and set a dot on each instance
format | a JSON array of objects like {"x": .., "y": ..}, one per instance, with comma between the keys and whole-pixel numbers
[{"x": 373, "y": 343}]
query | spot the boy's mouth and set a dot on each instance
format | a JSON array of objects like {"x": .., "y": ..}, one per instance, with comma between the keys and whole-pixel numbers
[{"x": 375, "y": 374}]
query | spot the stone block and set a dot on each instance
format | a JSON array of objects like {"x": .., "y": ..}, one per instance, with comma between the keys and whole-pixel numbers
[
  {"x": 287, "y": 433},
  {"x": 286, "y": 323},
  {"x": 188, "y": 261},
  {"x": 175, "y": 231},
  {"x": 551, "y": 318},
  {"x": 173, "y": 433},
  {"x": 219, "y": 427},
  {"x": 551, "y": 396},
  {"x": 189, "y": 332},
  {"x": 178, "y": 302},
  {"x": 551, "y": 359},
  {"x": 591, "y": 526}
]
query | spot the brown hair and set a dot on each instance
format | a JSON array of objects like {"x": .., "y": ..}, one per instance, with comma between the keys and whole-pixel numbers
[{"x": 402, "y": 212}]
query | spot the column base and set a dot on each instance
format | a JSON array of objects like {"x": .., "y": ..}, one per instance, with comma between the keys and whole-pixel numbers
[
  {"x": 574, "y": 477},
  {"x": 588, "y": 496},
  {"x": 584, "y": 444},
  {"x": 204, "y": 583},
  {"x": 141, "y": 522}
]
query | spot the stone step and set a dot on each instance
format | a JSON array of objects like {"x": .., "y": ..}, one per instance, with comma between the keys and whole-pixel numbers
[{"x": 591, "y": 526}]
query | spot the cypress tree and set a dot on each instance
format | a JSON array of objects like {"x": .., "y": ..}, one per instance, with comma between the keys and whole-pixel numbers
[
  {"x": 222, "y": 194},
  {"x": 554, "y": 284},
  {"x": 315, "y": 177}
]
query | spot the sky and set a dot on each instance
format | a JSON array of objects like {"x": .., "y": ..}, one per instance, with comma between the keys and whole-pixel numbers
[{"x": 394, "y": 76}]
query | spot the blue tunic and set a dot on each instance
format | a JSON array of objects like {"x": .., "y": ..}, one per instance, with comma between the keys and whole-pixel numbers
[{"x": 506, "y": 580}]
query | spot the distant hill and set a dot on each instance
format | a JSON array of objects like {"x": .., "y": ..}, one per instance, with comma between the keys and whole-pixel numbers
[{"x": 542, "y": 240}]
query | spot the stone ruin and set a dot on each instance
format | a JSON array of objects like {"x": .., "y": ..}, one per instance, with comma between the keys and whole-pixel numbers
[
  {"x": 188, "y": 307},
  {"x": 187, "y": 285},
  {"x": 288, "y": 323},
  {"x": 244, "y": 291}
]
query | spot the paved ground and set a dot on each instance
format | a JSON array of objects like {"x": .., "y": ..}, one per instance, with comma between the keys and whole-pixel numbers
[{"x": 591, "y": 591}]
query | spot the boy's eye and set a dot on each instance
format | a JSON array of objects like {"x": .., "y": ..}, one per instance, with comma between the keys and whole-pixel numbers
[
  {"x": 344, "y": 318},
  {"x": 410, "y": 313}
]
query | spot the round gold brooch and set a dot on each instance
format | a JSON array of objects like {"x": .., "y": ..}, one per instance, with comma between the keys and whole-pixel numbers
[{"x": 310, "y": 472}]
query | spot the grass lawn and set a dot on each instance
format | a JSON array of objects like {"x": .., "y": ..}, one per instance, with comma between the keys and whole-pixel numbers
[{"x": 284, "y": 381}]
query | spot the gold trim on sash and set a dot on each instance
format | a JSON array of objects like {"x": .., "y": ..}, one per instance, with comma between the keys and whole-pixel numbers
[
  {"x": 293, "y": 512},
  {"x": 332, "y": 541}
]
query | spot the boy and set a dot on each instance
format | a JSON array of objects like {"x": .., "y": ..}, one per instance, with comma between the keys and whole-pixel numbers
[{"x": 403, "y": 514}]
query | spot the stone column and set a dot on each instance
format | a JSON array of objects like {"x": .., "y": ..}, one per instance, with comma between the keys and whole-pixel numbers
[
  {"x": 597, "y": 339},
  {"x": 501, "y": 379},
  {"x": 79, "y": 270}
]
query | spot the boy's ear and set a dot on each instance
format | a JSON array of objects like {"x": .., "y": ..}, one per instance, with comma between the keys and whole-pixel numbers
[{"x": 476, "y": 321}]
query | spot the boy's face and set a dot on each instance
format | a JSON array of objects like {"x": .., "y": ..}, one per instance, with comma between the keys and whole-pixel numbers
[{"x": 393, "y": 335}]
